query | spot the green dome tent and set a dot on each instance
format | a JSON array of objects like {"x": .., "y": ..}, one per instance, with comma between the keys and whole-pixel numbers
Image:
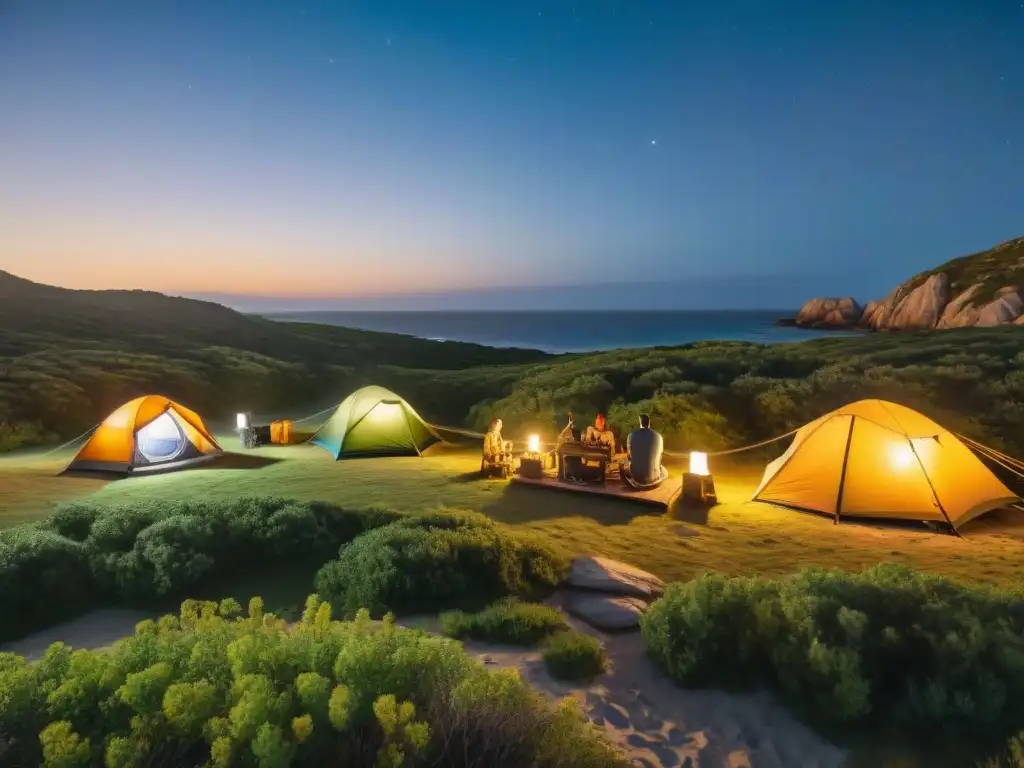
[{"x": 374, "y": 421}]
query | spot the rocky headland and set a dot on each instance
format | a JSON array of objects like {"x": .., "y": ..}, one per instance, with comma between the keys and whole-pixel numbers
[{"x": 981, "y": 290}]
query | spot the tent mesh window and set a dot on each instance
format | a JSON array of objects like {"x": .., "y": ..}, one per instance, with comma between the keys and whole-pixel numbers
[{"x": 161, "y": 440}]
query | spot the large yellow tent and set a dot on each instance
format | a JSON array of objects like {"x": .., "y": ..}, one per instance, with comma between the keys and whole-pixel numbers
[
  {"x": 882, "y": 460},
  {"x": 147, "y": 434}
]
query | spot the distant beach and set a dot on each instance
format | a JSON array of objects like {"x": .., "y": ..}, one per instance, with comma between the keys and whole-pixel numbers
[{"x": 571, "y": 331}]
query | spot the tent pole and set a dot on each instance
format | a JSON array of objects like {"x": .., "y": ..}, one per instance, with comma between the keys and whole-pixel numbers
[
  {"x": 408, "y": 427},
  {"x": 934, "y": 494},
  {"x": 842, "y": 474}
]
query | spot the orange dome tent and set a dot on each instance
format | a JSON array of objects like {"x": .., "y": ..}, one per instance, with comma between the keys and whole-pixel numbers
[
  {"x": 876, "y": 459},
  {"x": 147, "y": 434}
]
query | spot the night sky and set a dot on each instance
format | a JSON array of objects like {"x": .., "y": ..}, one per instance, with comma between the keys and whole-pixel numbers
[{"x": 725, "y": 154}]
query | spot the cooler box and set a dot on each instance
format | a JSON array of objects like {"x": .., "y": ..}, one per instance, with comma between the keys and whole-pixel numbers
[{"x": 281, "y": 432}]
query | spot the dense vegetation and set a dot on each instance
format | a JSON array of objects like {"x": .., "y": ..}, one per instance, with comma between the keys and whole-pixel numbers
[
  {"x": 574, "y": 656},
  {"x": 889, "y": 647},
  {"x": 507, "y": 621},
  {"x": 207, "y": 688},
  {"x": 88, "y": 554},
  {"x": 143, "y": 553},
  {"x": 59, "y": 376},
  {"x": 433, "y": 561},
  {"x": 713, "y": 395},
  {"x": 69, "y": 358},
  {"x": 993, "y": 269}
]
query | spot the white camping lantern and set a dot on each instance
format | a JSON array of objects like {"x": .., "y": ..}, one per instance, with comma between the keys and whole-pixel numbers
[
  {"x": 698, "y": 463},
  {"x": 242, "y": 421}
]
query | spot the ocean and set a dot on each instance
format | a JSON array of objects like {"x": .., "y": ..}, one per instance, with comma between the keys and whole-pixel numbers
[{"x": 571, "y": 331}]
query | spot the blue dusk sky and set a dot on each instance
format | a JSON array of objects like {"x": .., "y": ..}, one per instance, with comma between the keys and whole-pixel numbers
[{"x": 439, "y": 153}]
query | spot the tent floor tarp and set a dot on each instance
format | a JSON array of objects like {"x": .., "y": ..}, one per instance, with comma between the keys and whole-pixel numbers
[
  {"x": 613, "y": 488},
  {"x": 99, "y": 467}
]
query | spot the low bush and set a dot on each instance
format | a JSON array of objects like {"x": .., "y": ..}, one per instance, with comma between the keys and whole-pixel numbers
[
  {"x": 507, "y": 621},
  {"x": 889, "y": 645},
  {"x": 44, "y": 577},
  {"x": 209, "y": 688},
  {"x": 574, "y": 656},
  {"x": 1013, "y": 757},
  {"x": 432, "y": 561},
  {"x": 88, "y": 553}
]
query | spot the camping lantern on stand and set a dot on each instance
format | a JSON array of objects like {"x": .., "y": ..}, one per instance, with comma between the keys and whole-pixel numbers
[
  {"x": 698, "y": 485},
  {"x": 243, "y": 424},
  {"x": 534, "y": 462},
  {"x": 531, "y": 464}
]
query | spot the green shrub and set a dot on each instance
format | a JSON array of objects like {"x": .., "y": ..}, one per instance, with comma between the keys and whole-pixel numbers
[
  {"x": 20, "y": 434},
  {"x": 88, "y": 554},
  {"x": 435, "y": 560},
  {"x": 1014, "y": 756},
  {"x": 888, "y": 645},
  {"x": 44, "y": 577},
  {"x": 574, "y": 656},
  {"x": 203, "y": 689},
  {"x": 508, "y": 621}
]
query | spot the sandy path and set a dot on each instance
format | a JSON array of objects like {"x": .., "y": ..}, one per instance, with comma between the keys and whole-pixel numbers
[
  {"x": 92, "y": 631},
  {"x": 650, "y": 719},
  {"x": 657, "y": 724}
]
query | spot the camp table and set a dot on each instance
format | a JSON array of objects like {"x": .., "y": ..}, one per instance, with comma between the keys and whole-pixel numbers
[{"x": 601, "y": 454}]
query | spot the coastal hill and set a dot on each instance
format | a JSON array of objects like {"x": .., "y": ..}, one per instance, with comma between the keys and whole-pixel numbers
[
  {"x": 980, "y": 290},
  {"x": 33, "y": 314},
  {"x": 69, "y": 357}
]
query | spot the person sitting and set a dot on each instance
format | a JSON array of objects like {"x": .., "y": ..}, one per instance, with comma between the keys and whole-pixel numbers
[
  {"x": 644, "y": 447},
  {"x": 569, "y": 432},
  {"x": 599, "y": 434},
  {"x": 496, "y": 450}
]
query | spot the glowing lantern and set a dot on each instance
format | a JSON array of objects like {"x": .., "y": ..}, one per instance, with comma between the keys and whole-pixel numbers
[
  {"x": 901, "y": 455},
  {"x": 698, "y": 463},
  {"x": 243, "y": 421},
  {"x": 533, "y": 444},
  {"x": 698, "y": 485}
]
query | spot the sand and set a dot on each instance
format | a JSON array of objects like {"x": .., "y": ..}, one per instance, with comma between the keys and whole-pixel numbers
[
  {"x": 642, "y": 712},
  {"x": 658, "y": 724},
  {"x": 92, "y": 631}
]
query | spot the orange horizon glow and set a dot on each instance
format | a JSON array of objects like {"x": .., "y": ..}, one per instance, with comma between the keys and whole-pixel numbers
[{"x": 249, "y": 285}]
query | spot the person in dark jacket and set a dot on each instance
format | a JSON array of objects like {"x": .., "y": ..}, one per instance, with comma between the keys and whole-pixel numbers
[{"x": 644, "y": 447}]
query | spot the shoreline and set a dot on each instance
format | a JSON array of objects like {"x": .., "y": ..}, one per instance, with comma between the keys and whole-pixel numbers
[{"x": 564, "y": 332}]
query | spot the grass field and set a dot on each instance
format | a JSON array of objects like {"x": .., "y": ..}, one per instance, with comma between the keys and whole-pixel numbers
[{"x": 735, "y": 537}]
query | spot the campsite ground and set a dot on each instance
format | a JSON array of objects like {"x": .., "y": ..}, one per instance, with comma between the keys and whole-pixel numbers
[{"x": 736, "y": 537}]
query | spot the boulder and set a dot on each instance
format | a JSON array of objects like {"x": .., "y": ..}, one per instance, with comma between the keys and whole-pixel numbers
[
  {"x": 829, "y": 313},
  {"x": 922, "y": 306},
  {"x": 605, "y": 611},
  {"x": 960, "y": 312},
  {"x": 613, "y": 577},
  {"x": 1002, "y": 310},
  {"x": 869, "y": 311}
]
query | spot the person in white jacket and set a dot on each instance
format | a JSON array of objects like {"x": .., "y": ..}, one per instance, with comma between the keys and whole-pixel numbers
[{"x": 496, "y": 449}]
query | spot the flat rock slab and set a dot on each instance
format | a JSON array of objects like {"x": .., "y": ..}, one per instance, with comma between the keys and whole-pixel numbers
[
  {"x": 613, "y": 577},
  {"x": 604, "y": 611}
]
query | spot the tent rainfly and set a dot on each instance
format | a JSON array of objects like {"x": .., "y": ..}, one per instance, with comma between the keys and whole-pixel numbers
[
  {"x": 147, "y": 434},
  {"x": 875, "y": 459},
  {"x": 374, "y": 421}
]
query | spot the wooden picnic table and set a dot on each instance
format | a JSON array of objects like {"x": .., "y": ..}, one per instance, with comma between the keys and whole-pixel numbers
[{"x": 587, "y": 452}]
